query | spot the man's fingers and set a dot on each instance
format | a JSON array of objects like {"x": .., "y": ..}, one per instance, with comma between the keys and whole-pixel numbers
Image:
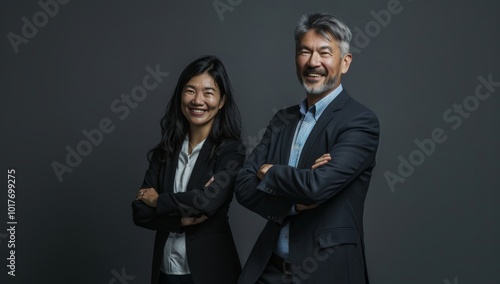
[
  {"x": 319, "y": 164},
  {"x": 325, "y": 158}
]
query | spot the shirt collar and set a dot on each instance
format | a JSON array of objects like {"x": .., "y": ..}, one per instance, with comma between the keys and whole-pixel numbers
[
  {"x": 195, "y": 150},
  {"x": 320, "y": 106}
]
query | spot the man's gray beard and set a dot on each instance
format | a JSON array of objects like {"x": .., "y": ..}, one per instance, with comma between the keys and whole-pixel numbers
[{"x": 328, "y": 85}]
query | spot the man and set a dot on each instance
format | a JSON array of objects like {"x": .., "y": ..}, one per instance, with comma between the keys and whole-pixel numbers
[{"x": 310, "y": 173}]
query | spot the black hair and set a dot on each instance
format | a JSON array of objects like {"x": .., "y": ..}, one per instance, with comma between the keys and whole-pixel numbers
[{"x": 175, "y": 127}]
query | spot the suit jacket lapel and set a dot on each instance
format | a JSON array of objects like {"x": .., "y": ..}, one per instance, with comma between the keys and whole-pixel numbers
[
  {"x": 288, "y": 133},
  {"x": 169, "y": 170},
  {"x": 327, "y": 115},
  {"x": 201, "y": 166}
]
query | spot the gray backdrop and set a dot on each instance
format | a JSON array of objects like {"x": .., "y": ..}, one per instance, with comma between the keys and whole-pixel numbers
[{"x": 429, "y": 69}]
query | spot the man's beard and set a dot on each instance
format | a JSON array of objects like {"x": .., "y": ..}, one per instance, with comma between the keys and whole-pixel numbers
[{"x": 315, "y": 91}]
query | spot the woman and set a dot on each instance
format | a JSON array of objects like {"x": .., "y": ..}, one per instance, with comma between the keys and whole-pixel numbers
[{"x": 190, "y": 181}]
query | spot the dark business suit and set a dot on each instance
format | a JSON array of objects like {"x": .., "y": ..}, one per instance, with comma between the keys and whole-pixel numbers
[
  {"x": 210, "y": 248},
  {"x": 325, "y": 243}
]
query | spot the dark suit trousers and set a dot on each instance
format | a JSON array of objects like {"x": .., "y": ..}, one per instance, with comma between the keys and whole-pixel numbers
[{"x": 272, "y": 275}]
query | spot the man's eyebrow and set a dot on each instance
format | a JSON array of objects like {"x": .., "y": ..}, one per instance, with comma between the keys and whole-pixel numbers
[{"x": 326, "y": 47}]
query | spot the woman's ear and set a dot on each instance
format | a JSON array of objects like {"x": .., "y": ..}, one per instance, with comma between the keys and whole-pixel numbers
[{"x": 222, "y": 101}]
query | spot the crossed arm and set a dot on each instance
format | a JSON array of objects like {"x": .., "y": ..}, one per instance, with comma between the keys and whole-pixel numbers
[
  {"x": 150, "y": 197},
  {"x": 193, "y": 206},
  {"x": 271, "y": 190},
  {"x": 325, "y": 158}
]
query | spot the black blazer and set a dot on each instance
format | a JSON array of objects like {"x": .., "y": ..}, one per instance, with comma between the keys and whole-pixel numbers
[
  {"x": 210, "y": 248},
  {"x": 326, "y": 243}
]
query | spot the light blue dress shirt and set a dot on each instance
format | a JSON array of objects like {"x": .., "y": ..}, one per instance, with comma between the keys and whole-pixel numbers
[{"x": 304, "y": 127}]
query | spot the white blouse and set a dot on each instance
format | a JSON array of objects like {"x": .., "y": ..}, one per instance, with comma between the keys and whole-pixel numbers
[{"x": 174, "y": 252}]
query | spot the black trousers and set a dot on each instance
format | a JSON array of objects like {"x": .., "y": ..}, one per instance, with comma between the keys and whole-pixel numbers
[{"x": 175, "y": 279}]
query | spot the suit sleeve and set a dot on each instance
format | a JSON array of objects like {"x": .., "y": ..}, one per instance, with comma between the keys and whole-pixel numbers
[
  {"x": 272, "y": 207},
  {"x": 144, "y": 215},
  {"x": 206, "y": 201},
  {"x": 357, "y": 143}
]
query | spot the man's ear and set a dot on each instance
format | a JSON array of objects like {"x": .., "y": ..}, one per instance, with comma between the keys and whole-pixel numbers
[{"x": 346, "y": 62}]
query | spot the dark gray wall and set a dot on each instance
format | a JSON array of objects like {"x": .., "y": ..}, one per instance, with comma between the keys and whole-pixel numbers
[{"x": 437, "y": 223}]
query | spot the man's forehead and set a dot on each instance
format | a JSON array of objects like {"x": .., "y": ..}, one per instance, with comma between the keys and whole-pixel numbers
[{"x": 323, "y": 34}]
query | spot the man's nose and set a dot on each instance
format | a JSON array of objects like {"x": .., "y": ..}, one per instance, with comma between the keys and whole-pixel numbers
[{"x": 314, "y": 60}]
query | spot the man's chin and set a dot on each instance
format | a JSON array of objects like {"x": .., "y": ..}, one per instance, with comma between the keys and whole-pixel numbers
[
  {"x": 314, "y": 91},
  {"x": 318, "y": 89}
]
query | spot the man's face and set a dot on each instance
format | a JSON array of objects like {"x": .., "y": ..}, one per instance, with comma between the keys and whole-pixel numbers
[{"x": 319, "y": 63}]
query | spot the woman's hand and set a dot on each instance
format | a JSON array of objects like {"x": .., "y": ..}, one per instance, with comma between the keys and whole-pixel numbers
[
  {"x": 189, "y": 221},
  {"x": 209, "y": 182},
  {"x": 148, "y": 196}
]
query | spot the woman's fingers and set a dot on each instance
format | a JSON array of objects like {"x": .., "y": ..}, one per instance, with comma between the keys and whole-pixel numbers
[{"x": 189, "y": 221}]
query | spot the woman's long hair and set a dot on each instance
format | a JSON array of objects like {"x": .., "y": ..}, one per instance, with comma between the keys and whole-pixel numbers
[{"x": 175, "y": 127}]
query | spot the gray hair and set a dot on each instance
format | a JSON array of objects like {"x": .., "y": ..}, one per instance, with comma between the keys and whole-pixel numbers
[{"x": 326, "y": 25}]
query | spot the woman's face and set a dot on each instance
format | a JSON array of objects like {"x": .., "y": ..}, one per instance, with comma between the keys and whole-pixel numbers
[{"x": 201, "y": 100}]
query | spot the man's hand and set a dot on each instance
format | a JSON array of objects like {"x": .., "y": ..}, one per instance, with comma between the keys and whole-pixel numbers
[
  {"x": 148, "y": 196},
  {"x": 325, "y": 158},
  {"x": 263, "y": 170},
  {"x": 189, "y": 221},
  {"x": 321, "y": 161}
]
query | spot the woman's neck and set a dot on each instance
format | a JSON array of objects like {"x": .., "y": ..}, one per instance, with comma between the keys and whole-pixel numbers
[{"x": 198, "y": 134}]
